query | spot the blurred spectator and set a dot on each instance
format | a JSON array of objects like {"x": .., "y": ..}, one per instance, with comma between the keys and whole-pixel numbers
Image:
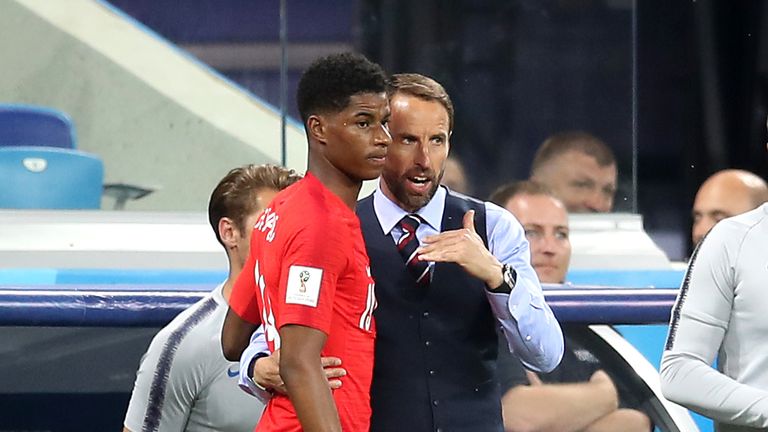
[
  {"x": 579, "y": 169},
  {"x": 545, "y": 221},
  {"x": 528, "y": 403},
  {"x": 454, "y": 176},
  {"x": 724, "y": 194},
  {"x": 184, "y": 382},
  {"x": 718, "y": 320}
]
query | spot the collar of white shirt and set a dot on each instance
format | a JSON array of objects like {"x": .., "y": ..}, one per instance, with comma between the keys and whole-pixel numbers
[{"x": 389, "y": 214}]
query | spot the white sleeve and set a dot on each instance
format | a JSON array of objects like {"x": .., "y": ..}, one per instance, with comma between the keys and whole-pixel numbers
[
  {"x": 533, "y": 333},
  {"x": 257, "y": 346},
  {"x": 698, "y": 324},
  {"x": 164, "y": 390}
]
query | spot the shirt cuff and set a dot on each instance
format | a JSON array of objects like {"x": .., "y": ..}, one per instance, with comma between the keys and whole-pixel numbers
[
  {"x": 509, "y": 306},
  {"x": 256, "y": 348}
]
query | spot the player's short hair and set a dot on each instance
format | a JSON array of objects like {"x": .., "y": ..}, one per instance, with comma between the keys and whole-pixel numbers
[
  {"x": 234, "y": 196},
  {"x": 504, "y": 193},
  {"x": 329, "y": 81},
  {"x": 564, "y": 142},
  {"x": 422, "y": 87}
]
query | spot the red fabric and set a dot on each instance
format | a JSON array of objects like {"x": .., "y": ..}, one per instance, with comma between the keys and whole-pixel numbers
[{"x": 307, "y": 225}]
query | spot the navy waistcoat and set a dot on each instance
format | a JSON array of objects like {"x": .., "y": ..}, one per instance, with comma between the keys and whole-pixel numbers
[{"x": 435, "y": 364}]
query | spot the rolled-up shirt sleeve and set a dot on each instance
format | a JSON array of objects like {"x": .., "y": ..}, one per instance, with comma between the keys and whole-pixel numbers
[
  {"x": 530, "y": 327},
  {"x": 257, "y": 346}
]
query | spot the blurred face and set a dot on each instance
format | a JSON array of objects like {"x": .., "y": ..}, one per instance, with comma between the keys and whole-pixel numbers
[
  {"x": 416, "y": 159},
  {"x": 356, "y": 139},
  {"x": 545, "y": 221},
  {"x": 262, "y": 198},
  {"x": 580, "y": 182},
  {"x": 716, "y": 200},
  {"x": 454, "y": 177}
]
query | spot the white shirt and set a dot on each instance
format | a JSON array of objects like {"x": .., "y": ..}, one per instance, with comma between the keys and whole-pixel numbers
[
  {"x": 532, "y": 331},
  {"x": 184, "y": 382},
  {"x": 722, "y": 309}
]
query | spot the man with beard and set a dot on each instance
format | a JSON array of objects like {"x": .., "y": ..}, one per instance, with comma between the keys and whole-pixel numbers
[{"x": 449, "y": 271}]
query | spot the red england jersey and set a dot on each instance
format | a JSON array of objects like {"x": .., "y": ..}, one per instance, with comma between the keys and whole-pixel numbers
[{"x": 308, "y": 266}]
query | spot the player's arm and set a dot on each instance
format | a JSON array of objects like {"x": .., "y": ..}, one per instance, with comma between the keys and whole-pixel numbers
[
  {"x": 243, "y": 314},
  {"x": 235, "y": 335},
  {"x": 309, "y": 277},
  {"x": 260, "y": 370},
  {"x": 302, "y": 372}
]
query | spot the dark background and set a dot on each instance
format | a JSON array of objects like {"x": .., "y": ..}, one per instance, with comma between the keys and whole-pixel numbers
[{"x": 676, "y": 87}]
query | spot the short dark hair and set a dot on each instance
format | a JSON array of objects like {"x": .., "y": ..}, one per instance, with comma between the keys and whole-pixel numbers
[
  {"x": 564, "y": 142},
  {"x": 506, "y": 192},
  {"x": 234, "y": 196},
  {"x": 329, "y": 81},
  {"x": 422, "y": 87}
]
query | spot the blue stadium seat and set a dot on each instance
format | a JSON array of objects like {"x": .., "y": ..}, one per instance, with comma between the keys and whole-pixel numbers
[
  {"x": 50, "y": 178},
  {"x": 27, "y": 125}
]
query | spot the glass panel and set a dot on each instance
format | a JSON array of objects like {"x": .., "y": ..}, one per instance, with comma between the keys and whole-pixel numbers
[{"x": 518, "y": 72}]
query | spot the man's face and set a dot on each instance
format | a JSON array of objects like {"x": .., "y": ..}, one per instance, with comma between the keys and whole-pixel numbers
[
  {"x": 357, "y": 137},
  {"x": 262, "y": 197},
  {"x": 580, "y": 182},
  {"x": 717, "y": 200},
  {"x": 416, "y": 159},
  {"x": 545, "y": 221}
]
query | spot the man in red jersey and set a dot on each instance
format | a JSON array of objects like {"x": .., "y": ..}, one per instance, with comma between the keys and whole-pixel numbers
[{"x": 307, "y": 279}]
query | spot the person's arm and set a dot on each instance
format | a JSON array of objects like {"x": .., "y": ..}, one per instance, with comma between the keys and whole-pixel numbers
[
  {"x": 700, "y": 318},
  {"x": 302, "y": 372},
  {"x": 532, "y": 331},
  {"x": 243, "y": 315},
  {"x": 624, "y": 419},
  {"x": 257, "y": 353},
  {"x": 260, "y": 370},
  {"x": 235, "y": 335},
  {"x": 558, "y": 407}
]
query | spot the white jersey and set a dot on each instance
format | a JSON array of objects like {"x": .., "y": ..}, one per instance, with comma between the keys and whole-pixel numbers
[
  {"x": 722, "y": 309},
  {"x": 184, "y": 382}
]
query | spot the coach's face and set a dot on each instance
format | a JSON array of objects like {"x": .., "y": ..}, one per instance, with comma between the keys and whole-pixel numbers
[{"x": 416, "y": 160}]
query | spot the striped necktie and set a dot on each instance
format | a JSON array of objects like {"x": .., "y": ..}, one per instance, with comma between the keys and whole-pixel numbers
[{"x": 407, "y": 245}]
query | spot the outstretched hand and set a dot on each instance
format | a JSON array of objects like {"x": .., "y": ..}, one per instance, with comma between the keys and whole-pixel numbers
[{"x": 465, "y": 248}]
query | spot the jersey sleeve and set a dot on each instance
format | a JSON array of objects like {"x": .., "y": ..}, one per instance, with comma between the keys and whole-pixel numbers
[
  {"x": 314, "y": 260},
  {"x": 243, "y": 299},
  {"x": 164, "y": 401},
  {"x": 699, "y": 321}
]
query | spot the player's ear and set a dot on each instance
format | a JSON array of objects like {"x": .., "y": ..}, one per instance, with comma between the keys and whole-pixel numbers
[
  {"x": 228, "y": 232},
  {"x": 316, "y": 128}
]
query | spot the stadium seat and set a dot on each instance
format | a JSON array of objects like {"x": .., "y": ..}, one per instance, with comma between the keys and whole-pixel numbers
[
  {"x": 27, "y": 125},
  {"x": 50, "y": 178}
]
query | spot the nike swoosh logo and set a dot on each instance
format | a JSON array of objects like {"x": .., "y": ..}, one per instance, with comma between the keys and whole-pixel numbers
[{"x": 232, "y": 374}]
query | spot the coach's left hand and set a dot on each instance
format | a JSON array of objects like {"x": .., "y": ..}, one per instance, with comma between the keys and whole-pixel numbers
[{"x": 465, "y": 248}]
